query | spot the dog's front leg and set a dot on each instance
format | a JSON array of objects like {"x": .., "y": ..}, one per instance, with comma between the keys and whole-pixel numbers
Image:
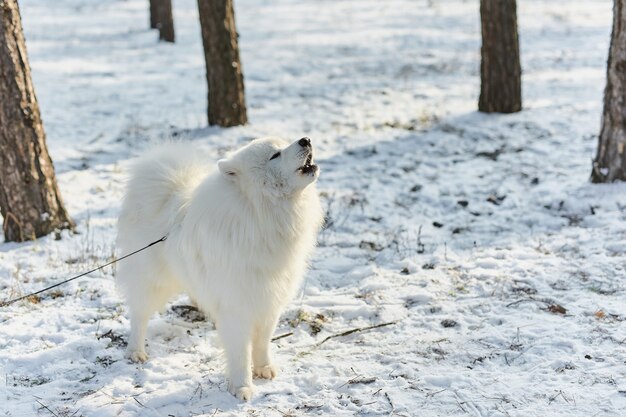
[
  {"x": 261, "y": 355},
  {"x": 236, "y": 334}
]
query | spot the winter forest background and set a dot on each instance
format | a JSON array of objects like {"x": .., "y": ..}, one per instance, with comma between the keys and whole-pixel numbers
[{"x": 472, "y": 260}]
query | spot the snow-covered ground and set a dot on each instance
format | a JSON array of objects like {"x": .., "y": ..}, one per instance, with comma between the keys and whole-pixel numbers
[{"x": 477, "y": 241}]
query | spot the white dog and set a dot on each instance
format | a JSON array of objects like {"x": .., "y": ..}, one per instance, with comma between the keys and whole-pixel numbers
[{"x": 238, "y": 243}]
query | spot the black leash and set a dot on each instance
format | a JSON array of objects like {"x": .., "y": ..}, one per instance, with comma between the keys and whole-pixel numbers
[{"x": 7, "y": 303}]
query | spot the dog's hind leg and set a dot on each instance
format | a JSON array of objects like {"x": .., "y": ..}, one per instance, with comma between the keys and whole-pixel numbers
[
  {"x": 136, "y": 350},
  {"x": 261, "y": 356},
  {"x": 141, "y": 308},
  {"x": 235, "y": 332}
]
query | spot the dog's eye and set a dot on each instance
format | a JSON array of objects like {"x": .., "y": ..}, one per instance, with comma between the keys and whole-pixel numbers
[{"x": 276, "y": 155}]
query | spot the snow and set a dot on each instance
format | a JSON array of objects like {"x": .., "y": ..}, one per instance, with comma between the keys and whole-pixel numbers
[{"x": 478, "y": 239}]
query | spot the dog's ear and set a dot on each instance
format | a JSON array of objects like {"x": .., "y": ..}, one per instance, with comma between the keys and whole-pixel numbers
[{"x": 227, "y": 168}]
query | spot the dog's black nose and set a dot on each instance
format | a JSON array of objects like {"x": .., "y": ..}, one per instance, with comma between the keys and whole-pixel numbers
[{"x": 305, "y": 142}]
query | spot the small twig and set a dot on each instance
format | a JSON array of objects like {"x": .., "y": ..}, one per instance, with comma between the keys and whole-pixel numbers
[
  {"x": 198, "y": 388},
  {"x": 500, "y": 407},
  {"x": 282, "y": 336},
  {"x": 281, "y": 412},
  {"x": 559, "y": 393},
  {"x": 308, "y": 407},
  {"x": 359, "y": 379},
  {"x": 615, "y": 340},
  {"x": 432, "y": 394},
  {"x": 527, "y": 300},
  {"x": 393, "y": 407},
  {"x": 46, "y": 407},
  {"x": 420, "y": 246},
  {"x": 520, "y": 301},
  {"x": 460, "y": 404},
  {"x": 555, "y": 396},
  {"x": 113, "y": 399},
  {"x": 363, "y": 380},
  {"x": 358, "y": 329}
]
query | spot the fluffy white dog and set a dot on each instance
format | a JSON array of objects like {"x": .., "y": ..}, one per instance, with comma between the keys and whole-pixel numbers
[{"x": 239, "y": 238}]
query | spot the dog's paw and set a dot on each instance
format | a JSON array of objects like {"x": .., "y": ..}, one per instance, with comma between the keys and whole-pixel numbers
[
  {"x": 242, "y": 393},
  {"x": 137, "y": 356},
  {"x": 267, "y": 372}
]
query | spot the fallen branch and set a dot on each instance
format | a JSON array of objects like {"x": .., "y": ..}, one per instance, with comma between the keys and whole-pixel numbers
[
  {"x": 282, "y": 336},
  {"x": 358, "y": 329}
]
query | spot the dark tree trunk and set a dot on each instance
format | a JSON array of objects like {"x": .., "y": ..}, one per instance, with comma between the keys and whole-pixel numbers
[
  {"x": 154, "y": 19},
  {"x": 500, "y": 70},
  {"x": 161, "y": 18},
  {"x": 164, "y": 19},
  {"x": 227, "y": 106},
  {"x": 610, "y": 162},
  {"x": 30, "y": 201}
]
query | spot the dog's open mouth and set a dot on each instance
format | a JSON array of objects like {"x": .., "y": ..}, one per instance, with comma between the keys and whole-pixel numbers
[{"x": 309, "y": 167}]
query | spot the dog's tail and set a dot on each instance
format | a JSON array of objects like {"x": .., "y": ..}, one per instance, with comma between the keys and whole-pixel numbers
[{"x": 159, "y": 188}]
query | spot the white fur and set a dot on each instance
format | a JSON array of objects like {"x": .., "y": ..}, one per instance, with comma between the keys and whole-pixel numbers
[{"x": 238, "y": 242}]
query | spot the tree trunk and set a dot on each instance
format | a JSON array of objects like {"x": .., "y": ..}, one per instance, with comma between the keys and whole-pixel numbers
[
  {"x": 500, "y": 70},
  {"x": 164, "y": 19},
  {"x": 154, "y": 19},
  {"x": 30, "y": 202},
  {"x": 227, "y": 106},
  {"x": 610, "y": 162}
]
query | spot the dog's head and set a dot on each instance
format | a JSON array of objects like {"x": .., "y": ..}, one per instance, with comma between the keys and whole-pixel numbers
[{"x": 273, "y": 166}]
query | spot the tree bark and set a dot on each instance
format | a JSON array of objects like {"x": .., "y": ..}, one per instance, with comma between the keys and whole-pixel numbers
[
  {"x": 30, "y": 202},
  {"x": 164, "y": 19},
  {"x": 500, "y": 69},
  {"x": 227, "y": 105},
  {"x": 610, "y": 162},
  {"x": 154, "y": 19}
]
